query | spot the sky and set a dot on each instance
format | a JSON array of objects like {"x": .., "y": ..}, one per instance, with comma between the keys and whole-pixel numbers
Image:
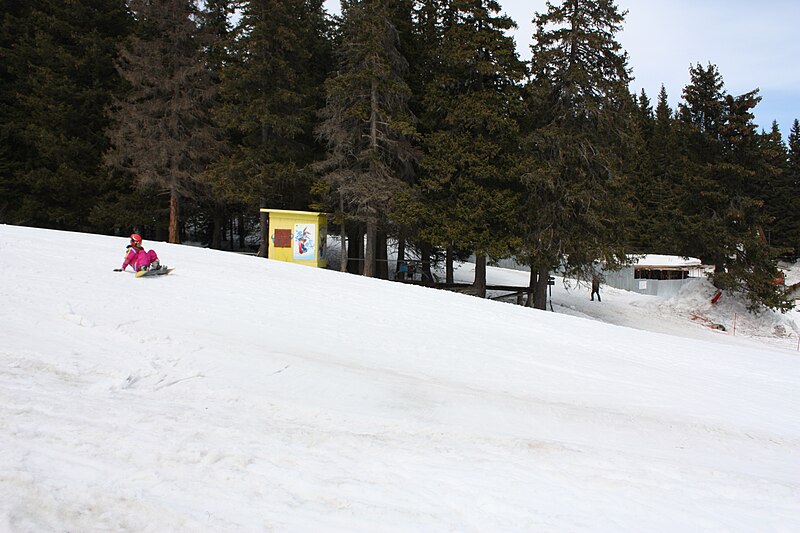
[
  {"x": 241, "y": 394},
  {"x": 754, "y": 45}
]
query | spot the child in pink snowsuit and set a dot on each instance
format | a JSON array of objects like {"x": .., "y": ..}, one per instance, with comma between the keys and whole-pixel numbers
[{"x": 138, "y": 257}]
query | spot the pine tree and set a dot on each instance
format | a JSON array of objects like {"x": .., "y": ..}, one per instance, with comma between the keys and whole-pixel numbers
[
  {"x": 367, "y": 124},
  {"x": 776, "y": 188},
  {"x": 213, "y": 204},
  {"x": 703, "y": 97},
  {"x": 666, "y": 157},
  {"x": 56, "y": 79},
  {"x": 639, "y": 166},
  {"x": 579, "y": 122},
  {"x": 645, "y": 117},
  {"x": 162, "y": 130},
  {"x": 722, "y": 217},
  {"x": 702, "y": 197},
  {"x": 468, "y": 189},
  {"x": 13, "y": 149},
  {"x": 271, "y": 94},
  {"x": 420, "y": 42},
  {"x": 792, "y": 179}
]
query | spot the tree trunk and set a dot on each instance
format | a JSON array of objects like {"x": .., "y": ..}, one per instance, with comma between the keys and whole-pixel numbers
[
  {"x": 479, "y": 285},
  {"x": 540, "y": 297},
  {"x": 401, "y": 255},
  {"x": 343, "y": 233},
  {"x": 448, "y": 266},
  {"x": 355, "y": 249},
  {"x": 174, "y": 235},
  {"x": 242, "y": 243},
  {"x": 426, "y": 250},
  {"x": 215, "y": 242},
  {"x": 532, "y": 287},
  {"x": 369, "y": 253},
  {"x": 373, "y": 116},
  {"x": 381, "y": 256},
  {"x": 263, "y": 246}
]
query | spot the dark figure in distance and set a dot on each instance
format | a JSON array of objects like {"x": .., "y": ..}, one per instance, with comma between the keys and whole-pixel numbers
[{"x": 596, "y": 288}]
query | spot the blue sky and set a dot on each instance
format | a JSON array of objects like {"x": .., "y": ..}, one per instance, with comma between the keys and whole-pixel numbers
[{"x": 753, "y": 47}]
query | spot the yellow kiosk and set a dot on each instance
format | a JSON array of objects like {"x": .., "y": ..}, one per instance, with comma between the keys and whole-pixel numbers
[{"x": 297, "y": 236}]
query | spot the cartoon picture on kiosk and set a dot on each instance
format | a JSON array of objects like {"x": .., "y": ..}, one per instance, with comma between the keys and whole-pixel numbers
[{"x": 304, "y": 245}]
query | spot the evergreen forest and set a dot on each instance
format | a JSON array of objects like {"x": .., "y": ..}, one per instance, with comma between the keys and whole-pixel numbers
[{"x": 411, "y": 122}]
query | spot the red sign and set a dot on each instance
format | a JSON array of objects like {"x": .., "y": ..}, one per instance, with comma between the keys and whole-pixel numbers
[{"x": 282, "y": 238}]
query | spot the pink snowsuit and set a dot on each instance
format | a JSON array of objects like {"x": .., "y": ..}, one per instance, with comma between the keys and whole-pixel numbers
[{"x": 139, "y": 260}]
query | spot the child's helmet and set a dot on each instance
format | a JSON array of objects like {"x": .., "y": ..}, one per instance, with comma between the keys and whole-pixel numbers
[{"x": 136, "y": 238}]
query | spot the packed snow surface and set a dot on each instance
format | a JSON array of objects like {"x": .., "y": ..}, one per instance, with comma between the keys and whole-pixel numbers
[{"x": 241, "y": 394}]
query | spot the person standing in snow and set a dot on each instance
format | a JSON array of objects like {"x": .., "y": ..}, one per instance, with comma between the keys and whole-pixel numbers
[
  {"x": 596, "y": 287},
  {"x": 138, "y": 258}
]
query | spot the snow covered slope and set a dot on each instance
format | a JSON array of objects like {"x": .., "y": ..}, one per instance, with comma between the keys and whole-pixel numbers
[{"x": 242, "y": 394}]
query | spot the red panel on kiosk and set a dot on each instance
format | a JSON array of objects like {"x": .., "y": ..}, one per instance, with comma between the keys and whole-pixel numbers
[{"x": 283, "y": 238}]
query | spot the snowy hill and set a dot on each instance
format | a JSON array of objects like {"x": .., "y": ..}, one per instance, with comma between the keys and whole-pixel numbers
[{"x": 242, "y": 394}]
